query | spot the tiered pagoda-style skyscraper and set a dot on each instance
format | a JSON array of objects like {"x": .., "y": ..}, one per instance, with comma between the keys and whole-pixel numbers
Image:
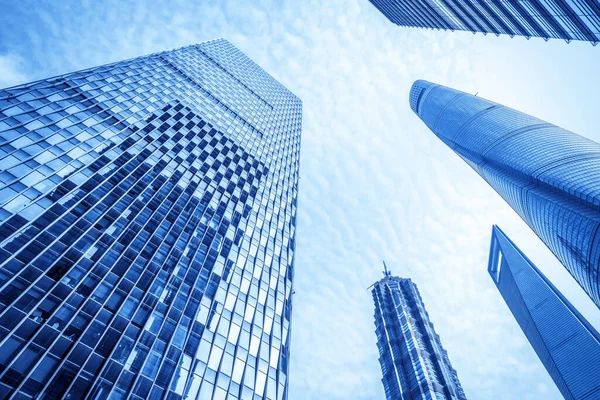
[
  {"x": 147, "y": 224},
  {"x": 413, "y": 362},
  {"x": 548, "y": 175},
  {"x": 568, "y": 20},
  {"x": 567, "y": 345}
]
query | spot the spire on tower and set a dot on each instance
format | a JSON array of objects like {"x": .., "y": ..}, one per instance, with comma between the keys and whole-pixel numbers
[{"x": 386, "y": 273}]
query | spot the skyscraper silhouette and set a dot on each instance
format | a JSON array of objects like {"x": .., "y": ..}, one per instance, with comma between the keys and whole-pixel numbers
[
  {"x": 548, "y": 175},
  {"x": 568, "y": 20},
  {"x": 147, "y": 224},
  {"x": 413, "y": 362},
  {"x": 567, "y": 345}
]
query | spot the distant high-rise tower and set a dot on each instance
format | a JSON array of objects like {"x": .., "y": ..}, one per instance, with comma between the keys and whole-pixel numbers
[
  {"x": 567, "y": 345},
  {"x": 568, "y": 20},
  {"x": 413, "y": 362},
  {"x": 548, "y": 175},
  {"x": 147, "y": 223}
]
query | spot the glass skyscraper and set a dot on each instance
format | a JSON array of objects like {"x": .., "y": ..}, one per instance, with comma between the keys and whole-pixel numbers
[
  {"x": 413, "y": 362},
  {"x": 147, "y": 224},
  {"x": 568, "y": 20},
  {"x": 548, "y": 175},
  {"x": 567, "y": 345}
]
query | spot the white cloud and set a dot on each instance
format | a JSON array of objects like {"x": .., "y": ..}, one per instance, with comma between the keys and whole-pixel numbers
[{"x": 11, "y": 71}]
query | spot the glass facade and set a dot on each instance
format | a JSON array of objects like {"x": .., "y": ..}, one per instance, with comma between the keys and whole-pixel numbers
[
  {"x": 147, "y": 224},
  {"x": 567, "y": 345},
  {"x": 413, "y": 362},
  {"x": 548, "y": 19},
  {"x": 548, "y": 175}
]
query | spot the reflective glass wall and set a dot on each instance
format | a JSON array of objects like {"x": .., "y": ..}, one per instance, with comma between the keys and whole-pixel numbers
[
  {"x": 567, "y": 345},
  {"x": 548, "y": 175},
  {"x": 413, "y": 362},
  {"x": 547, "y": 19},
  {"x": 147, "y": 224}
]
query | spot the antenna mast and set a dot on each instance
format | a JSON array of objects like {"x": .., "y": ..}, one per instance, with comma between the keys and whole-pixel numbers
[{"x": 386, "y": 273}]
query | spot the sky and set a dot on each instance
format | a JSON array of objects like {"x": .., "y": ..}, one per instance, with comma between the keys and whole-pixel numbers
[{"x": 375, "y": 183}]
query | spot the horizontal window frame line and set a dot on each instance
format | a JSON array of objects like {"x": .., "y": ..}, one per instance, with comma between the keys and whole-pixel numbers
[
  {"x": 222, "y": 68},
  {"x": 209, "y": 94}
]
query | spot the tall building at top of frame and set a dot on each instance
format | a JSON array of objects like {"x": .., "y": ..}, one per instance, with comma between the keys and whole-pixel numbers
[
  {"x": 550, "y": 19},
  {"x": 413, "y": 362},
  {"x": 548, "y": 175},
  {"x": 147, "y": 224},
  {"x": 567, "y": 345}
]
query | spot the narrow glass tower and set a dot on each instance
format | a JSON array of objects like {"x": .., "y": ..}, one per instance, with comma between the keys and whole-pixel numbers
[
  {"x": 567, "y": 345},
  {"x": 568, "y": 20},
  {"x": 548, "y": 175},
  {"x": 147, "y": 223},
  {"x": 413, "y": 362}
]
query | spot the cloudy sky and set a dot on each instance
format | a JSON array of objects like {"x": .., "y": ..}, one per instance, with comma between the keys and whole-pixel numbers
[{"x": 375, "y": 183}]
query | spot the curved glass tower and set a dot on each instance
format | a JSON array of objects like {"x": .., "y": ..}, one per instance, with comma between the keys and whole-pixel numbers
[
  {"x": 567, "y": 345},
  {"x": 548, "y": 175},
  {"x": 147, "y": 224},
  {"x": 413, "y": 362}
]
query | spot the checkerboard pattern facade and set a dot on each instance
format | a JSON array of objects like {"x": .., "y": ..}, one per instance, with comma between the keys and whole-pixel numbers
[{"x": 147, "y": 225}]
